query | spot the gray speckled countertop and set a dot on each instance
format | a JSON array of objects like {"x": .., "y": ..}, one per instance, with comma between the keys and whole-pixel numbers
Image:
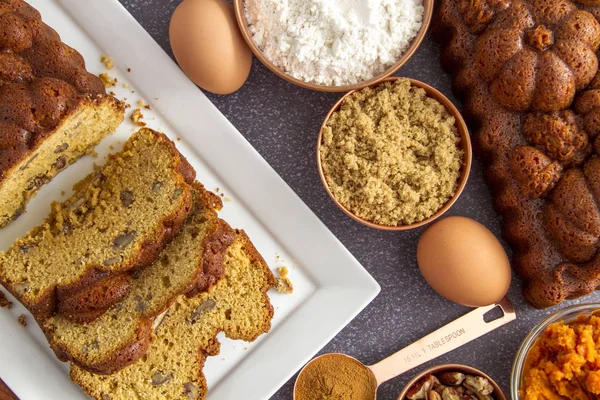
[{"x": 282, "y": 121}]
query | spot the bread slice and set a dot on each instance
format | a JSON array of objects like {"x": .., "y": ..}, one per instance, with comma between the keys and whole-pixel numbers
[
  {"x": 192, "y": 261},
  {"x": 78, "y": 262},
  {"x": 172, "y": 368},
  {"x": 53, "y": 111}
]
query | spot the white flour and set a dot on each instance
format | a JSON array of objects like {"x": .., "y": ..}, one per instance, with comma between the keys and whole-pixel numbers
[{"x": 333, "y": 42}]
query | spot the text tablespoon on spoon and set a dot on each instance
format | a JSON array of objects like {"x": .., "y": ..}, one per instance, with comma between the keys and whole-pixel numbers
[{"x": 449, "y": 337}]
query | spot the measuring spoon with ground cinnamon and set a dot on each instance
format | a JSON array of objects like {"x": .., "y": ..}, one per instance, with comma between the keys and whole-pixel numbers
[{"x": 339, "y": 376}]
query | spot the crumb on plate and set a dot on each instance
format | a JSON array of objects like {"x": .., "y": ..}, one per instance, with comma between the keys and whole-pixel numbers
[
  {"x": 4, "y": 301},
  {"x": 107, "y": 80},
  {"x": 282, "y": 283},
  {"x": 22, "y": 320},
  {"x": 137, "y": 116},
  {"x": 107, "y": 61}
]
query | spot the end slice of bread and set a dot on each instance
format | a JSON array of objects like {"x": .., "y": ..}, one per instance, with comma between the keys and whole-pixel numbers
[
  {"x": 237, "y": 305},
  {"x": 194, "y": 259},
  {"x": 78, "y": 262}
]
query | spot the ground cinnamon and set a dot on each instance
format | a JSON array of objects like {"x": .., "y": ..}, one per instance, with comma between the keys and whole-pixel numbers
[{"x": 335, "y": 377}]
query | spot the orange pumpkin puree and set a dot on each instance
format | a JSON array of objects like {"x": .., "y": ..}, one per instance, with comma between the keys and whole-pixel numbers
[{"x": 564, "y": 363}]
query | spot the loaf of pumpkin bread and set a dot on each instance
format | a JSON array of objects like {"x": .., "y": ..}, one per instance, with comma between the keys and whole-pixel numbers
[
  {"x": 192, "y": 262},
  {"x": 172, "y": 368},
  {"x": 79, "y": 261},
  {"x": 53, "y": 111}
]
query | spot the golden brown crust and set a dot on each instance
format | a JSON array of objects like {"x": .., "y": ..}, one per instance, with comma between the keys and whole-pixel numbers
[
  {"x": 35, "y": 63},
  {"x": 531, "y": 146},
  {"x": 92, "y": 296},
  {"x": 120, "y": 358},
  {"x": 213, "y": 258}
]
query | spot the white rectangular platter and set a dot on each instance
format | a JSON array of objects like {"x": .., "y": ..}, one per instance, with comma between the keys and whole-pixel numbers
[{"x": 331, "y": 287}]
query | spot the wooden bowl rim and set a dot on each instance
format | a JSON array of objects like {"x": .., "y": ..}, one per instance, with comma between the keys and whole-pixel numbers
[{"x": 243, "y": 25}]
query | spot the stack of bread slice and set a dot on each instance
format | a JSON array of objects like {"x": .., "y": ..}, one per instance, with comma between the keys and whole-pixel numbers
[{"x": 134, "y": 275}]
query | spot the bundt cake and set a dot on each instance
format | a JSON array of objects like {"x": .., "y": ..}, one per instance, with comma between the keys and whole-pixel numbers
[
  {"x": 53, "y": 111},
  {"x": 192, "y": 262},
  {"x": 79, "y": 261},
  {"x": 172, "y": 368},
  {"x": 528, "y": 73}
]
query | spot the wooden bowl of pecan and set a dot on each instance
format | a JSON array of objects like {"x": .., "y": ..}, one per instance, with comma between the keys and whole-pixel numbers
[{"x": 452, "y": 382}]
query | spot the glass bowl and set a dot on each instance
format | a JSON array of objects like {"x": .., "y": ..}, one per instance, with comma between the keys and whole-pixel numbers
[{"x": 567, "y": 314}]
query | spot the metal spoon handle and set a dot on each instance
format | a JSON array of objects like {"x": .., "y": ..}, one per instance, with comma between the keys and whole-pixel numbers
[{"x": 449, "y": 337}]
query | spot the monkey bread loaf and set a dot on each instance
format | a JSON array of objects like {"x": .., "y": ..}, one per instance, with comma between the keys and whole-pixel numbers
[
  {"x": 53, "y": 111},
  {"x": 192, "y": 262},
  {"x": 79, "y": 261},
  {"x": 527, "y": 71},
  {"x": 172, "y": 368}
]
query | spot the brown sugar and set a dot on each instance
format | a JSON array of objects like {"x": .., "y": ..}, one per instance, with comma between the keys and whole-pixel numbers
[
  {"x": 390, "y": 154},
  {"x": 335, "y": 377}
]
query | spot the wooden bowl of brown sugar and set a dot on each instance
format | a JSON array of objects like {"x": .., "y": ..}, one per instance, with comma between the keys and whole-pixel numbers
[{"x": 395, "y": 155}]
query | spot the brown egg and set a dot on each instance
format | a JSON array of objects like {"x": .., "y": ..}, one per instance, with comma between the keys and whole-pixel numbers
[
  {"x": 464, "y": 262},
  {"x": 208, "y": 45}
]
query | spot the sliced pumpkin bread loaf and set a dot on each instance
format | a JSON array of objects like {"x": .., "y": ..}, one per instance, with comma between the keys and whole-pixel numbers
[
  {"x": 193, "y": 261},
  {"x": 78, "y": 262},
  {"x": 53, "y": 111},
  {"x": 172, "y": 368}
]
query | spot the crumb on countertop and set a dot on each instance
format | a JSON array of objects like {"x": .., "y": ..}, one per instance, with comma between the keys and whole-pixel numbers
[
  {"x": 227, "y": 199},
  {"x": 128, "y": 69},
  {"x": 156, "y": 98},
  {"x": 107, "y": 80},
  {"x": 140, "y": 103},
  {"x": 107, "y": 61},
  {"x": 124, "y": 85},
  {"x": 4, "y": 301},
  {"x": 22, "y": 320},
  {"x": 137, "y": 116},
  {"x": 283, "y": 284},
  {"x": 178, "y": 139},
  {"x": 147, "y": 106}
]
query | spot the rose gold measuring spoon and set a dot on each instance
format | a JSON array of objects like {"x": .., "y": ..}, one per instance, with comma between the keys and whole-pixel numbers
[{"x": 449, "y": 337}]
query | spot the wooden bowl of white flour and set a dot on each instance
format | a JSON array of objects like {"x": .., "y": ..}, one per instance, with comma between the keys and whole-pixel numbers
[{"x": 333, "y": 46}]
